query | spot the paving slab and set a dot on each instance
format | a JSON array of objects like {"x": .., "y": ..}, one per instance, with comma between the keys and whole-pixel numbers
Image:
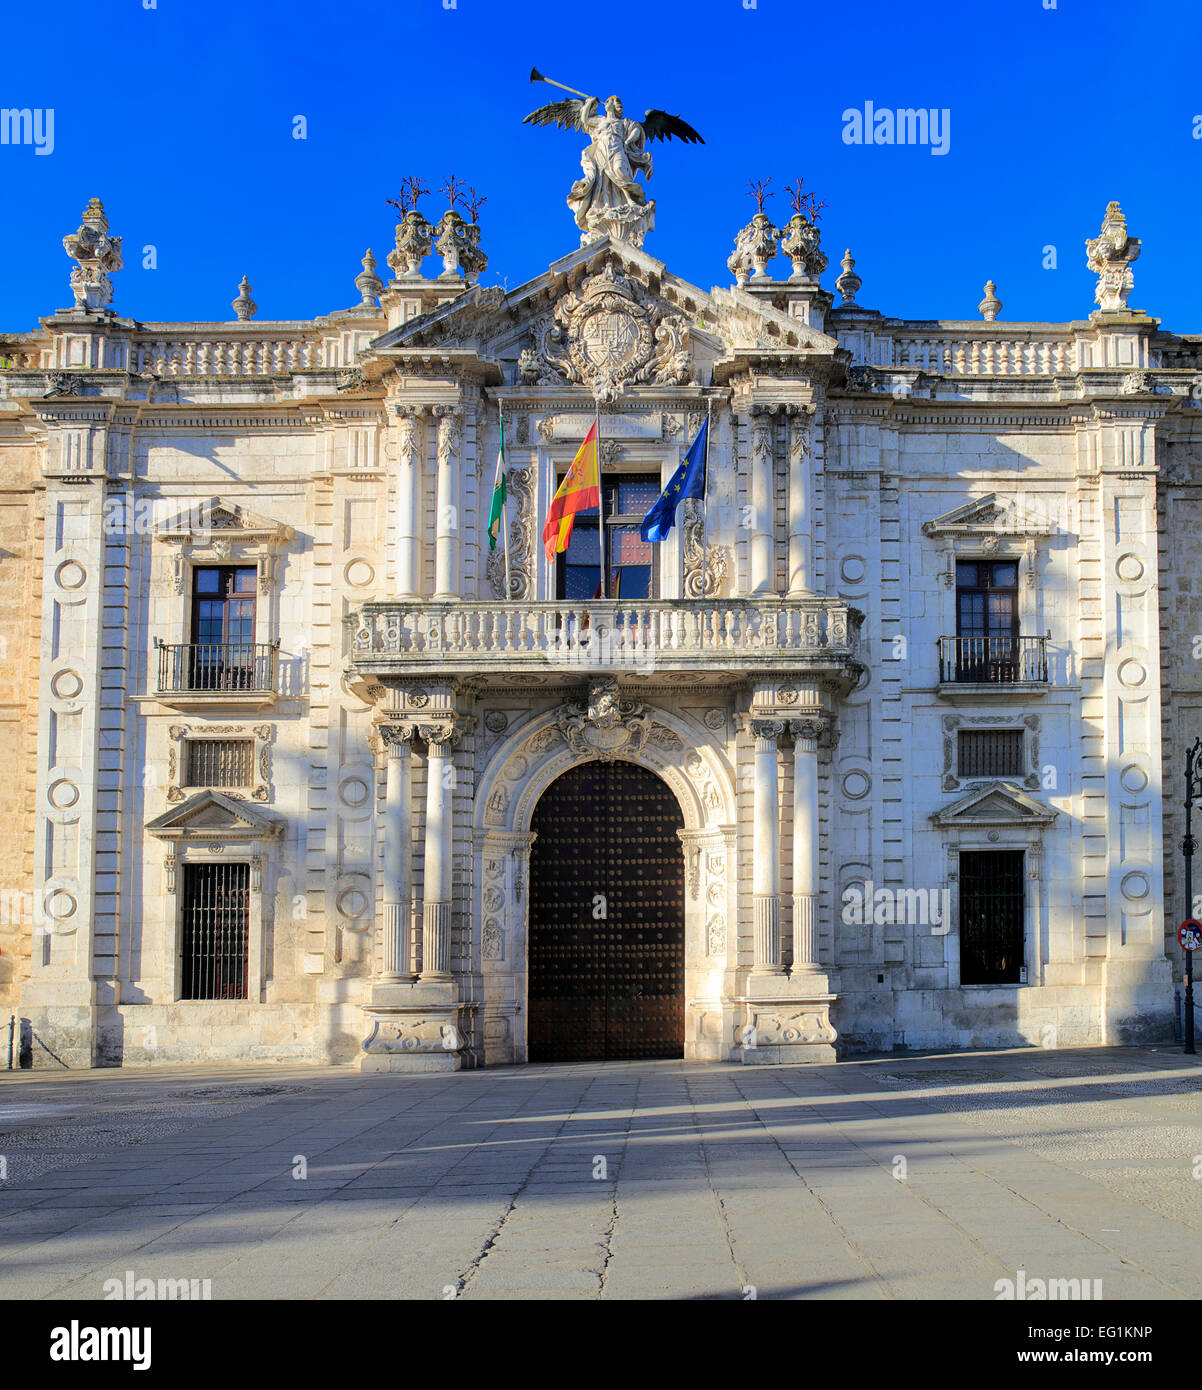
[{"x": 720, "y": 1181}]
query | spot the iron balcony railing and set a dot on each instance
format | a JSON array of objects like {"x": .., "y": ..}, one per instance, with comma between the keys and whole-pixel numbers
[
  {"x": 993, "y": 660},
  {"x": 217, "y": 667},
  {"x": 643, "y": 634}
]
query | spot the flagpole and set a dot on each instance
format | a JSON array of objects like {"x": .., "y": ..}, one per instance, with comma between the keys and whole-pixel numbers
[
  {"x": 705, "y": 492},
  {"x": 504, "y": 497},
  {"x": 600, "y": 500}
]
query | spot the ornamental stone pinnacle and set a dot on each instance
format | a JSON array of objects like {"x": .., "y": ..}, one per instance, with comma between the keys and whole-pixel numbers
[
  {"x": 96, "y": 255},
  {"x": 1110, "y": 255},
  {"x": 367, "y": 282},
  {"x": 244, "y": 306},
  {"x": 848, "y": 284},
  {"x": 991, "y": 305}
]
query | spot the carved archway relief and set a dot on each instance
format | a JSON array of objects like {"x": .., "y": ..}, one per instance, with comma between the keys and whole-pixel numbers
[{"x": 528, "y": 761}]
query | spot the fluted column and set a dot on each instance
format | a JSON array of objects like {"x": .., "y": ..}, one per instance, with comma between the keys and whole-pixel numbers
[
  {"x": 766, "y": 873},
  {"x": 760, "y": 551},
  {"x": 409, "y": 504},
  {"x": 800, "y": 484},
  {"x": 436, "y": 910},
  {"x": 446, "y": 533},
  {"x": 398, "y": 830},
  {"x": 805, "y": 843}
]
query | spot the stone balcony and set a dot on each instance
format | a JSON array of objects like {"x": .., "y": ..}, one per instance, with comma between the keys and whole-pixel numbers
[{"x": 722, "y": 640}]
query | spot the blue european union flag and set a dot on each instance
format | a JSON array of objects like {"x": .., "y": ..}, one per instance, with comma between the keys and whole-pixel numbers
[{"x": 687, "y": 481}]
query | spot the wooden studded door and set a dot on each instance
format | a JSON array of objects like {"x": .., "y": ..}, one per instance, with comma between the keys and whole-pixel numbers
[{"x": 606, "y": 918}]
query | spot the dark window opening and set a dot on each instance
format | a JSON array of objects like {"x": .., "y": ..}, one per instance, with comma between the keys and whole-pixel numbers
[
  {"x": 215, "y": 931},
  {"x": 991, "y": 917}
]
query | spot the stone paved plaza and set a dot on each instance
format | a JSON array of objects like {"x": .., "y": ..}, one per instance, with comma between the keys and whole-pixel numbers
[{"x": 647, "y": 1180}]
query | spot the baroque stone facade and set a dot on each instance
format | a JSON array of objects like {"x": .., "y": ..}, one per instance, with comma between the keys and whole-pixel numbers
[{"x": 358, "y": 767}]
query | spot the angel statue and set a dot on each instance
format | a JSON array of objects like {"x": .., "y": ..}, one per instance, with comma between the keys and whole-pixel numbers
[{"x": 609, "y": 200}]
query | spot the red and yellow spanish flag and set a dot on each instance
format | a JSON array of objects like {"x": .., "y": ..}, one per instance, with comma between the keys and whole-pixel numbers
[{"x": 579, "y": 491}]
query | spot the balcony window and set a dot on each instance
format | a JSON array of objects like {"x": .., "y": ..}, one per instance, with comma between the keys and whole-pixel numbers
[
  {"x": 222, "y": 654},
  {"x": 631, "y": 564}
]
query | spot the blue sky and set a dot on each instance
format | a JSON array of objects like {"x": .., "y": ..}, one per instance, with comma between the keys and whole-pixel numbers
[{"x": 181, "y": 119}]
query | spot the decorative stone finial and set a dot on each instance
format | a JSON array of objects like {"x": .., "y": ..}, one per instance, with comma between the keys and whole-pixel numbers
[
  {"x": 96, "y": 255},
  {"x": 367, "y": 282},
  {"x": 414, "y": 242},
  {"x": 800, "y": 243},
  {"x": 848, "y": 284},
  {"x": 991, "y": 305},
  {"x": 459, "y": 246},
  {"x": 755, "y": 246},
  {"x": 1109, "y": 256},
  {"x": 244, "y": 306}
]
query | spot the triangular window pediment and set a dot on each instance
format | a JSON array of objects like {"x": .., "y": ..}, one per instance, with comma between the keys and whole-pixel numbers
[
  {"x": 213, "y": 815},
  {"x": 232, "y": 519},
  {"x": 991, "y": 515},
  {"x": 996, "y": 805}
]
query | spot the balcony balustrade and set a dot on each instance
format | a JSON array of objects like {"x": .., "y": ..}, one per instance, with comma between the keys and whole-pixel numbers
[
  {"x": 993, "y": 660},
  {"x": 643, "y": 636},
  {"x": 217, "y": 668}
]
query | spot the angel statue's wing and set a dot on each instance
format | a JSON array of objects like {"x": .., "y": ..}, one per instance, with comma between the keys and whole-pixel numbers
[
  {"x": 560, "y": 113},
  {"x": 658, "y": 125}
]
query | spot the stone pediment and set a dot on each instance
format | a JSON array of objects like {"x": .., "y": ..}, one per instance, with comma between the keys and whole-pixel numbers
[
  {"x": 606, "y": 317},
  {"x": 991, "y": 515},
  {"x": 230, "y": 518},
  {"x": 998, "y": 804},
  {"x": 212, "y": 815}
]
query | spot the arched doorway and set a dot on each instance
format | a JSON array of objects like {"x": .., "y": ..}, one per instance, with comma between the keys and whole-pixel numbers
[{"x": 606, "y": 943}]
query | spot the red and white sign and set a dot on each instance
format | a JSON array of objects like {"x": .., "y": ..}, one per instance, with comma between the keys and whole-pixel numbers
[{"x": 1189, "y": 934}]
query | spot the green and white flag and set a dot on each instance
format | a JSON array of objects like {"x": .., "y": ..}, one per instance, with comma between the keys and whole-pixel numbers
[{"x": 499, "y": 493}]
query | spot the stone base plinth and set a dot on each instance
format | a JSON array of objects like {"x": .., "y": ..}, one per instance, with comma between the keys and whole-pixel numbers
[
  {"x": 788, "y": 1024},
  {"x": 412, "y": 1027}
]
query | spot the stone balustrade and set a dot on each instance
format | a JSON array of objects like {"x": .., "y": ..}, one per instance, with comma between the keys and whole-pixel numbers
[
  {"x": 602, "y": 635},
  {"x": 1017, "y": 351},
  {"x": 226, "y": 353}
]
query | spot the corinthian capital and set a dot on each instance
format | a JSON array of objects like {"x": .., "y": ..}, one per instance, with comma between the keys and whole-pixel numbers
[
  {"x": 441, "y": 737},
  {"x": 397, "y": 736},
  {"x": 766, "y": 730},
  {"x": 821, "y": 732}
]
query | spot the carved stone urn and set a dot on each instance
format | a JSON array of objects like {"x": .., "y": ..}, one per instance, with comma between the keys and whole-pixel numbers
[
  {"x": 755, "y": 246},
  {"x": 800, "y": 243},
  {"x": 459, "y": 246},
  {"x": 414, "y": 242}
]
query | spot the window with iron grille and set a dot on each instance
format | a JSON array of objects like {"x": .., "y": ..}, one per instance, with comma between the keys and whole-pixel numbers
[
  {"x": 215, "y": 929},
  {"x": 990, "y": 753},
  {"x": 991, "y": 917},
  {"x": 219, "y": 762}
]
